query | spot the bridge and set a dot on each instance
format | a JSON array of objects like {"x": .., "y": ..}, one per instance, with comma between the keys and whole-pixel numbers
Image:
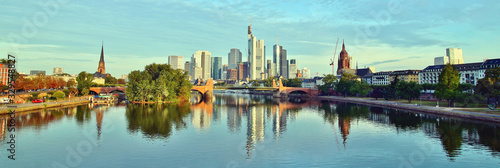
[
  {"x": 106, "y": 90},
  {"x": 207, "y": 90},
  {"x": 280, "y": 91}
]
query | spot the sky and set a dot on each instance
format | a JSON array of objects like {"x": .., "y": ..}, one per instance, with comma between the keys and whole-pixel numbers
[{"x": 386, "y": 34}]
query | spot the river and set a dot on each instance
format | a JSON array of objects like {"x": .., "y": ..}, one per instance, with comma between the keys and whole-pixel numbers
[{"x": 240, "y": 130}]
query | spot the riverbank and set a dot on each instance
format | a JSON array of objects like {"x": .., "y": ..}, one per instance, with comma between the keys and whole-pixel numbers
[
  {"x": 4, "y": 109},
  {"x": 452, "y": 112}
]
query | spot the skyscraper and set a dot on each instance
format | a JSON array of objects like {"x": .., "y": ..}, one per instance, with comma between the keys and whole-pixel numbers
[
  {"x": 276, "y": 58},
  {"x": 293, "y": 68},
  {"x": 187, "y": 67},
  {"x": 176, "y": 61},
  {"x": 455, "y": 55},
  {"x": 252, "y": 53},
  {"x": 216, "y": 68},
  {"x": 203, "y": 60},
  {"x": 224, "y": 72},
  {"x": 234, "y": 56},
  {"x": 260, "y": 58},
  {"x": 283, "y": 64},
  {"x": 441, "y": 60}
]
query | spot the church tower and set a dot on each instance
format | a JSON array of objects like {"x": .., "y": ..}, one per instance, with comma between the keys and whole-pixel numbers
[
  {"x": 344, "y": 60},
  {"x": 101, "y": 69}
]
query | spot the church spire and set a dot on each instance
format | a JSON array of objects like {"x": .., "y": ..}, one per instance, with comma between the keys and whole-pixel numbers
[
  {"x": 102, "y": 53},
  {"x": 101, "y": 69},
  {"x": 343, "y": 45}
]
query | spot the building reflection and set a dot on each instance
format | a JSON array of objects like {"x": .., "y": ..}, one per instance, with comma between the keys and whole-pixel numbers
[
  {"x": 255, "y": 110},
  {"x": 40, "y": 119}
]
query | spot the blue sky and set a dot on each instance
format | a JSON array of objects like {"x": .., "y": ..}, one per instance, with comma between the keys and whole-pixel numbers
[{"x": 388, "y": 35}]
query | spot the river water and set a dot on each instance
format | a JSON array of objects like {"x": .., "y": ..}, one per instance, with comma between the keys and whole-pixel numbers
[{"x": 237, "y": 130}]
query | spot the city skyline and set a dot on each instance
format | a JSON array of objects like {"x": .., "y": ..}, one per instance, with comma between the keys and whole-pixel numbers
[{"x": 139, "y": 33}]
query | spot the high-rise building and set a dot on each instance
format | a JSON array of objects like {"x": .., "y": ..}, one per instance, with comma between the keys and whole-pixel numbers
[
  {"x": 203, "y": 60},
  {"x": 270, "y": 68},
  {"x": 455, "y": 55},
  {"x": 252, "y": 53},
  {"x": 187, "y": 67},
  {"x": 240, "y": 69},
  {"x": 224, "y": 72},
  {"x": 441, "y": 60},
  {"x": 58, "y": 70},
  {"x": 176, "y": 61},
  {"x": 234, "y": 56},
  {"x": 216, "y": 67},
  {"x": 232, "y": 74},
  {"x": 293, "y": 68},
  {"x": 260, "y": 58},
  {"x": 197, "y": 73},
  {"x": 246, "y": 70},
  {"x": 277, "y": 58},
  {"x": 283, "y": 64}
]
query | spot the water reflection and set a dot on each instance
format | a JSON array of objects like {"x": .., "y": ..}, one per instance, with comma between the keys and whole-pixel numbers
[
  {"x": 40, "y": 119},
  {"x": 156, "y": 121}
]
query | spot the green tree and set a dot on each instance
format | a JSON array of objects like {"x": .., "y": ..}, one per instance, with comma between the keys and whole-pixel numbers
[
  {"x": 85, "y": 92},
  {"x": 158, "y": 83},
  {"x": 329, "y": 82},
  {"x": 345, "y": 83},
  {"x": 110, "y": 80},
  {"x": 268, "y": 82},
  {"x": 489, "y": 86},
  {"x": 447, "y": 87},
  {"x": 360, "y": 88},
  {"x": 66, "y": 91},
  {"x": 84, "y": 80},
  {"x": 59, "y": 95},
  {"x": 408, "y": 90},
  {"x": 255, "y": 84},
  {"x": 295, "y": 82}
]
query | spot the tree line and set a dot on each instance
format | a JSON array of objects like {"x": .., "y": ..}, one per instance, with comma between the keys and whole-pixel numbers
[{"x": 448, "y": 88}]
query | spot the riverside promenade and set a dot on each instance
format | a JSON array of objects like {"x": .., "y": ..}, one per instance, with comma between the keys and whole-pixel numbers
[
  {"x": 21, "y": 107},
  {"x": 447, "y": 111}
]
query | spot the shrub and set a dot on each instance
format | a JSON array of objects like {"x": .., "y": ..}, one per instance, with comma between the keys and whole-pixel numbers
[
  {"x": 59, "y": 95},
  {"x": 66, "y": 92}
]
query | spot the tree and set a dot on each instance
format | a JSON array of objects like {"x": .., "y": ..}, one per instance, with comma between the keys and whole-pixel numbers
[
  {"x": 84, "y": 81},
  {"x": 345, "y": 83},
  {"x": 489, "y": 86},
  {"x": 448, "y": 84},
  {"x": 59, "y": 95},
  {"x": 328, "y": 84},
  {"x": 377, "y": 92},
  {"x": 71, "y": 83},
  {"x": 268, "y": 82},
  {"x": 295, "y": 82},
  {"x": 121, "y": 81},
  {"x": 408, "y": 90},
  {"x": 110, "y": 80},
  {"x": 255, "y": 84},
  {"x": 158, "y": 83},
  {"x": 85, "y": 92},
  {"x": 360, "y": 88}
]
